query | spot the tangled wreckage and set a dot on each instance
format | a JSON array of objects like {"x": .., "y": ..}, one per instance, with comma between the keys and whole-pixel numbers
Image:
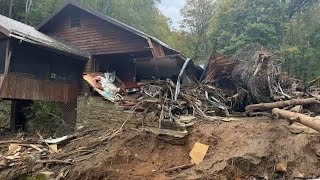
[
  {"x": 248, "y": 84},
  {"x": 165, "y": 94}
]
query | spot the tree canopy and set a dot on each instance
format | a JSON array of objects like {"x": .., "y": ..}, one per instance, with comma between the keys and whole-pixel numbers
[{"x": 290, "y": 28}]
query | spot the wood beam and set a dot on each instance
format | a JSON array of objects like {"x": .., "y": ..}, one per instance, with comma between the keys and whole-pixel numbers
[
  {"x": 5, "y": 31},
  {"x": 156, "y": 48},
  {"x": 8, "y": 57},
  {"x": 152, "y": 48},
  {"x": 161, "y": 51}
]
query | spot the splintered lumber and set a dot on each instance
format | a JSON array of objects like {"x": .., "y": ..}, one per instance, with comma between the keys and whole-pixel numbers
[
  {"x": 308, "y": 121},
  {"x": 281, "y": 104}
]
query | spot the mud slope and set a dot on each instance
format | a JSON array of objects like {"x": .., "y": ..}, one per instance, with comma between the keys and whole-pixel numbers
[{"x": 242, "y": 149}]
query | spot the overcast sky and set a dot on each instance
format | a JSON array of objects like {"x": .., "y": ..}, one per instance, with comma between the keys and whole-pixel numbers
[{"x": 171, "y": 9}]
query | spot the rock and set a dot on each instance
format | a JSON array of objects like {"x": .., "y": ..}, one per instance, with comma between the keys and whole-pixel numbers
[{"x": 281, "y": 167}]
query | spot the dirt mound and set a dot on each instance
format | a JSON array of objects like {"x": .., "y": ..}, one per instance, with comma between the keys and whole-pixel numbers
[{"x": 241, "y": 149}]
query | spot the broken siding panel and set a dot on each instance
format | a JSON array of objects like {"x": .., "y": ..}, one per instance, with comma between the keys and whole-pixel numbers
[
  {"x": 18, "y": 87},
  {"x": 97, "y": 36}
]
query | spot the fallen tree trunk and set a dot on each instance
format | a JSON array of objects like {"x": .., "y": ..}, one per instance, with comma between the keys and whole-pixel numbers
[
  {"x": 280, "y": 104},
  {"x": 308, "y": 121}
]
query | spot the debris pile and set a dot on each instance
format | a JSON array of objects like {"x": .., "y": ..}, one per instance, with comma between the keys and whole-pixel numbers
[
  {"x": 37, "y": 154},
  {"x": 251, "y": 82}
]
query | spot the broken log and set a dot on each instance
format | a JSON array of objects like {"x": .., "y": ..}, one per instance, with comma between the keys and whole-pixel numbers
[
  {"x": 182, "y": 167},
  {"x": 166, "y": 132},
  {"x": 308, "y": 121},
  {"x": 297, "y": 109},
  {"x": 281, "y": 104}
]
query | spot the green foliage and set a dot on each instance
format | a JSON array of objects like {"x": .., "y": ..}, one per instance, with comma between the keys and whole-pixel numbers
[
  {"x": 5, "y": 108},
  {"x": 291, "y": 27},
  {"x": 301, "y": 45},
  {"x": 236, "y": 23},
  {"x": 46, "y": 118},
  {"x": 197, "y": 14}
]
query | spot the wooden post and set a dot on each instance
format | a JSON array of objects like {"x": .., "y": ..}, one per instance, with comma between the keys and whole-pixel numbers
[
  {"x": 85, "y": 87},
  {"x": 13, "y": 115},
  {"x": 8, "y": 58}
]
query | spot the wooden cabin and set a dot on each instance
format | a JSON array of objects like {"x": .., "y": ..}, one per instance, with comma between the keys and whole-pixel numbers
[
  {"x": 36, "y": 67},
  {"x": 113, "y": 45}
]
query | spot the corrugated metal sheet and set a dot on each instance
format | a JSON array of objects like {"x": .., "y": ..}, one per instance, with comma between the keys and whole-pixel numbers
[{"x": 24, "y": 32}]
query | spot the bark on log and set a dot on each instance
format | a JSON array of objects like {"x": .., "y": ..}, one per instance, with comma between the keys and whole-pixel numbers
[
  {"x": 308, "y": 121},
  {"x": 280, "y": 104}
]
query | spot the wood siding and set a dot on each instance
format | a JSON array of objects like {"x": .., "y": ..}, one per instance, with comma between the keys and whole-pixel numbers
[
  {"x": 95, "y": 35},
  {"x": 3, "y": 47},
  {"x": 40, "y": 64},
  {"x": 18, "y": 87}
]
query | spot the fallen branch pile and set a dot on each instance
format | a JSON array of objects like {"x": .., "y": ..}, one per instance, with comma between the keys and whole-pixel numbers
[
  {"x": 256, "y": 85},
  {"x": 18, "y": 158},
  {"x": 194, "y": 100}
]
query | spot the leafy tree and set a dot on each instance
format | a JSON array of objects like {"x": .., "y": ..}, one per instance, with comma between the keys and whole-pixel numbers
[
  {"x": 196, "y": 16},
  {"x": 291, "y": 27},
  {"x": 240, "y": 22},
  {"x": 301, "y": 46}
]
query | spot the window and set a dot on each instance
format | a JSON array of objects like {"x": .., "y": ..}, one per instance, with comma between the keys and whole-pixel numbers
[{"x": 75, "y": 21}]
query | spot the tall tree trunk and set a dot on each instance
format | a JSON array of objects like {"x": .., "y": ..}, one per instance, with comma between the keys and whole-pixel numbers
[
  {"x": 10, "y": 8},
  {"x": 27, "y": 10}
]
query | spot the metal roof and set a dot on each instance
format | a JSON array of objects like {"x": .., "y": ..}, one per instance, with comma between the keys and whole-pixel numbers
[
  {"x": 108, "y": 19},
  {"x": 24, "y": 32}
]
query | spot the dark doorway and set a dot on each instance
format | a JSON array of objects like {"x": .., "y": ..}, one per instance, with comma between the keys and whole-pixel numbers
[{"x": 18, "y": 117}]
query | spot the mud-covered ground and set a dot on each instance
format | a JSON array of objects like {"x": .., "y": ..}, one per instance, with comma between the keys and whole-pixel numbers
[{"x": 242, "y": 149}]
